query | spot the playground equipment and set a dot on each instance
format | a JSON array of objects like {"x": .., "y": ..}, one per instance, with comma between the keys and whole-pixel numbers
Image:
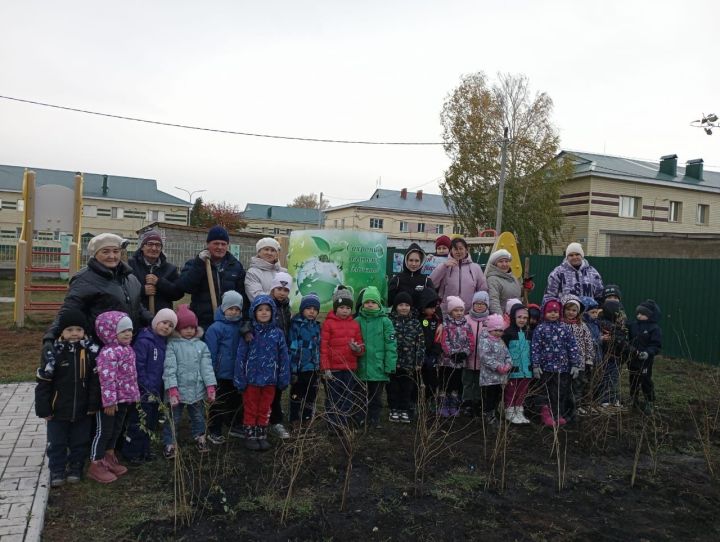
[{"x": 47, "y": 207}]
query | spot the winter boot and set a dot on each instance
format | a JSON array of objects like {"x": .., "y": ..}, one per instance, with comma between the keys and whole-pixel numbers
[
  {"x": 74, "y": 474},
  {"x": 113, "y": 464},
  {"x": 520, "y": 415},
  {"x": 454, "y": 405},
  {"x": 394, "y": 416},
  {"x": 561, "y": 420},
  {"x": 546, "y": 416},
  {"x": 262, "y": 440},
  {"x": 467, "y": 409},
  {"x": 251, "y": 438},
  {"x": 491, "y": 420},
  {"x": 100, "y": 472},
  {"x": 444, "y": 409},
  {"x": 510, "y": 414}
]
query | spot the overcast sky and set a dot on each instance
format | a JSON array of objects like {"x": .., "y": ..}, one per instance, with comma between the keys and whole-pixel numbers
[{"x": 627, "y": 77}]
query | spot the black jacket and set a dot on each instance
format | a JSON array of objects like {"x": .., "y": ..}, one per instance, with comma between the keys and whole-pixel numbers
[
  {"x": 409, "y": 281},
  {"x": 616, "y": 349},
  {"x": 646, "y": 335},
  {"x": 167, "y": 275},
  {"x": 96, "y": 289},
  {"x": 283, "y": 318},
  {"x": 427, "y": 297},
  {"x": 228, "y": 274},
  {"x": 70, "y": 389}
]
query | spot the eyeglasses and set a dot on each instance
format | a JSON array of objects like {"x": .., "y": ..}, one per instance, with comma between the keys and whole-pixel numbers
[{"x": 153, "y": 245}]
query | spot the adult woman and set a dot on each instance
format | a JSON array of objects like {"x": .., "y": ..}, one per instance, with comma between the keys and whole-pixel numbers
[
  {"x": 502, "y": 284},
  {"x": 155, "y": 273},
  {"x": 574, "y": 276},
  {"x": 263, "y": 267},
  {"x": 410, "y": 280},
  {"x": 459, "y": 276}
]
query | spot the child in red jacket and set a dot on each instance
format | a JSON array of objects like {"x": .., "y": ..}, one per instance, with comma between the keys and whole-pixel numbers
[{"x": 341, "y": 345}]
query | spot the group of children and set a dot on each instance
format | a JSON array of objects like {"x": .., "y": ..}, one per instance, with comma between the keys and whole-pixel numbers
[{"x": 463, "y": 362}]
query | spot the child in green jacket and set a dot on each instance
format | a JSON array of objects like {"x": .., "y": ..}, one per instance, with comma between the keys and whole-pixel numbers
[{"x": 380, "y": 357}]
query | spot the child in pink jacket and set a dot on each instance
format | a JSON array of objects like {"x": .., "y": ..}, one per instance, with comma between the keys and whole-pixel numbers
[{"x": 118, "y": 388}]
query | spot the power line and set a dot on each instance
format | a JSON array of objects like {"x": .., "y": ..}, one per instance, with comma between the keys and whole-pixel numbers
[{"x": 219, "y": 131}]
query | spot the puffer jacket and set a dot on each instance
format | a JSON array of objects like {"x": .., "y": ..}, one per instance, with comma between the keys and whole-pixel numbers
[
  {"x": 188, "y": 367},
  {"x": 263, "y": 361},
  {"x": 594, "y": 328},
  {"x": 222, "y": 338},
  {"x": 379, "y": 359},
  {"x": 457, "y": 341},
  {"x": 410, "y": 341},
  {"x": 150, "y": 362},
  {"x": 283, "y": 317},
  {"x": 70, "y": 390},
  {"x": 501, "y": 287},
  {"x": 115, "y": 363},
  {"x": 167, "y": 274},
  {"x": 259, "y": 277},
  {"x": 554, "y": 348},
  {"x": 518, "y": 342},
  {"x": 304, "y": 341},
  {"x": 411, "y": 282},
  {"x": 228, "y": 274},
  {"x": 565, "y": 279},
  {"x": 462, "y": 280},
  {"x": 335, "y": 337},
  {"x": 493, "y": 354},
  {"x": 646, "y": 336},
  {"x": 476, "y": 324},
  {"x": 96, "y": 289}
]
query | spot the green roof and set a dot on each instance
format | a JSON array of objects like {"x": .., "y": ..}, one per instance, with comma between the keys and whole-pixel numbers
[
  {"x": 119, "y": 188},
  {"x": 279, "y": 213}
]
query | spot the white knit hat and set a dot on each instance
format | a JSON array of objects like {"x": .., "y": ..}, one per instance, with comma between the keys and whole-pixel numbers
[
  {"x": 267, "y": 242},
  {"x": 281, "y": 280},
  {"x": 574, "y": 248},
  {"x": 500, "y": 253},
  {"x": 104, "y": 240}
]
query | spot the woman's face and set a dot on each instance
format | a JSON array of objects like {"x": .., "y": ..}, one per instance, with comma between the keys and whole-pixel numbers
[
  {"x": 574, "y": 259},
  {"x": 503, "y": 264},
  {"x": 458, "y": 251},
  {"x": 269, "y": 254},
  {"x": 108, "y": 256},
  {"x": 413, "y": 261}
]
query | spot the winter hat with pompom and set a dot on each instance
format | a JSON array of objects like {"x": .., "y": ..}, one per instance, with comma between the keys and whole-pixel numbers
[{"x": 495, "y": 322}]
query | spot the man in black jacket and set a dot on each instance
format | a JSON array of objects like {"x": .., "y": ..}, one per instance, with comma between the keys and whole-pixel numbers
[{"x": 155, "y": 273}]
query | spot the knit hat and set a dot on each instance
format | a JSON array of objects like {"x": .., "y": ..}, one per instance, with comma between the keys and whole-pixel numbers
[
  {"x": 165, "y": 315},
  {"x": 150, "y": 235},
  {"x": 342, "y": 297},
  {"x": 481, "y": 296},
  {"x": 589, "y": 302},
  {"x": 217, "y": 233},
  {"x": 311, "y": 300},
  {"x": 550, "y": 306},
  {"x": 231, "y": 299},
  {"x": 511, "y": 303},
  {"x": 453, "y": 302},
  {"x": 574, "y": 248},
  {"x": 498, "y": 254},
  {"x": 371, "y": 293},
  {"x": 104, "y": 240},
  {"x": 267, "y": 242},
  {"x": 443, "y": 241},
  {"x": 72, "y": 317},
  {"x": 124, "y": 324},
  {"x": 281, "y": 280},
  {"x": 534, "y": 311},
  {"x": 186, "y": 317},
  {"x": 494, "y": 322},
  {"x": 403, "y": 297},
  {"x": 649, "y": 308},
  {"x": 611, "y": 289},
  {"x": 572, "y": 300}
]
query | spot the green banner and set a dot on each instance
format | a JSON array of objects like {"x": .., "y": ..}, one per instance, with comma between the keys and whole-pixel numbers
[{"x": 321, "y": 260}]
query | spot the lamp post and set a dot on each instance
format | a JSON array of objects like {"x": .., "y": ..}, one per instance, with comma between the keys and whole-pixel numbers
[{"x": 190, "y": 195}]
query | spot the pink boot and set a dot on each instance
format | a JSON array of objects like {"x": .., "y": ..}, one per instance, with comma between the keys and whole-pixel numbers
[
  {"x": 113, "y": 464},
  {"x": 546, "y": 416},
  {"x": 562, "y": 421}
]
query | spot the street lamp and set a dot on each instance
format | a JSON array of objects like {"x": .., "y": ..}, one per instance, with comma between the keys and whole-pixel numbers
[{"x": 190, "y": 195}]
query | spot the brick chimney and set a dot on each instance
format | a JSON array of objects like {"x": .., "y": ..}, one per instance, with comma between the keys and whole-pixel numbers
[
  {"x": 403, "y": 193},
  {"x": 694, "y": 169},
  {"x": 668, "y": 164},
  {"x": 419, "y": 194}
]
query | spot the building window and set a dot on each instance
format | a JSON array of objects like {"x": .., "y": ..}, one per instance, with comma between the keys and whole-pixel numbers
[
  {"x": 117, "y": 212},
  {"x": 89, "y": 211},
  {"x": 376, "y": 223},
  {"x": 276, "y": 231},
  {"x": 335, "y": 222},
  {"x": 421, "y": 227},
  {"x": 630, "y": 207},
  {"x": 20, "y": 205},
  {"x": 342, "y": 223},
  {"x": 675, "y": 211},
  {"x": 404, "y": 227},
  {"x": 457, "y": 229},
  {"x": 288, "y": 231},
  {"x": 156, "y": 216},
  {"x": 703, "y": 214},
  {"x": 439, "y": 229}
]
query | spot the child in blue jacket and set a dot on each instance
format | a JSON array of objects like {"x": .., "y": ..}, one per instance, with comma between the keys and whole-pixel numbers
[
  {"x": 304, "y": 339},
  {"x": 262, "y": 365}
]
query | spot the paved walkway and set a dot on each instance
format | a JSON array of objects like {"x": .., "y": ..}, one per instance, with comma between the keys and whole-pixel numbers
[{"x": 24, "y": 476}]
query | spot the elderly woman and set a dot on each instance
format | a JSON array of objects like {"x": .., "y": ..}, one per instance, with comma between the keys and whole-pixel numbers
[
  {"x": 263, "y": 267},
  {"x": 410, "y": 280},
  {"x": 574, "y": 276},
  {"x": 106, "y": 284},
  {"x": 155, "y": 273},
  {"x": 502, "y": 284},
  {"x": 459, "y": 276}
]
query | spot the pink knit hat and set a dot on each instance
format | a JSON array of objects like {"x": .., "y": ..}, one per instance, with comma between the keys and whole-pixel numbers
[
  {"x": 186, "y": 317},
  {"x": 495, "y": 322},
  {"x": 454, "y": 302}
]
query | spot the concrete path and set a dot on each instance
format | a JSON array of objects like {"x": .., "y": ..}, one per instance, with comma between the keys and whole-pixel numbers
[{"x": 24, "y": 476}]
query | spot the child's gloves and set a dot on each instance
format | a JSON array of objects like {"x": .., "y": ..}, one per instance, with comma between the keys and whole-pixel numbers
[
  {"x": 211, "y": 393},
  {"x": 537, "y": 372},
  {"x": 355, "y": 347},
  {"x": 643, "y": 356},
  {"x": 574, "y": 372},
  {"x": 328, "y": 375},
  {"x": 174, "y": 397},
  {"x": 504, "y": 369}
]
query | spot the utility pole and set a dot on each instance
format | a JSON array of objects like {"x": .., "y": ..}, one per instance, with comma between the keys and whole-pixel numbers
[
  {"x": 320, "y": 212},
  {"x": 501, "y": 184}
]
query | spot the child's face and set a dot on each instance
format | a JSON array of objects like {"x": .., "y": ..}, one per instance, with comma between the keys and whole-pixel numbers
[
  {"x": 263, "y": 313},
  {"x": 571, "y": 312},
  {"x": 280, "y": 294},
  {"x": 532, "y": 321},
  {"x": 497, "y": 333},
  {"x": 188, "y": 332},
  {"x": 73, "y": 334},
  {"x": 343, "y": 311},
  {"x": 232, "y": 312},
  {"x": 641, "y": 317},
  {"x": 594, "y": 313},
  {"x": 124, "y": 337},
  {"x": 442, "y": 250},
  {"x": 479, "y": 306},
  {"x": 413, "y": 261},
  {"x": 552, "y": 316},
  {"x": 164, "y": 328},
  {"x": 428, "y": 312},
  {"x": 521, "y": 319},
  {"x": 370, "y": 305},
  {"x": 403, "y": 309},
  {"x": 612, "y": 298},
  {"x": 310, "y": 313},
  {"x": 457, "y": 313}
]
